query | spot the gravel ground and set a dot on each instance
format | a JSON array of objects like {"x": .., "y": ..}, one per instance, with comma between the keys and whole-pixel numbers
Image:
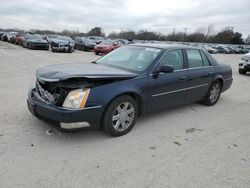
[{"x": 188, "y": 146}]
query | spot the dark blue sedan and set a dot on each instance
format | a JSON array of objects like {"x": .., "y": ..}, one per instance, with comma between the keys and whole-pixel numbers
[{"x": 113, "y": 91}]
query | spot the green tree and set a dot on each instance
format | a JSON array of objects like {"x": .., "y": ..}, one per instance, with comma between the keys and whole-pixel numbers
[
  {"x": 237, "y": 38},
  {"x": 96, "y": 31}
]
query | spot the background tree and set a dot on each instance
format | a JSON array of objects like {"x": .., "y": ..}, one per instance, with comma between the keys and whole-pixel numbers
[
  {"x": 237, "y": 38},
  {"x": 96, "y": 31},
  {"x": 224, "y": 37}
]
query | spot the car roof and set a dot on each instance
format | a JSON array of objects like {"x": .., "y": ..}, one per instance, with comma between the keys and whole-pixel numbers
[{"x": 165, "y": 46}]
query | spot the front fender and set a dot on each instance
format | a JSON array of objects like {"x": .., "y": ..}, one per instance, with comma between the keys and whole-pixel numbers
[{"x": 103, "y": 95}]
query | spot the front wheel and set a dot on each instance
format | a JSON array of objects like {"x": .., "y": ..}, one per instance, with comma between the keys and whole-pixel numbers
[
  {"x": 213, "y": 94},
  {"x": 29, "y": 46},
  {"x": 120, "y": 116},
  {"x": 241, "y": 71}
]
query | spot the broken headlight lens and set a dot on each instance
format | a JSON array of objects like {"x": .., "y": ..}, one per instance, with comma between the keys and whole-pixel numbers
[{"x": 76, "y": 98}]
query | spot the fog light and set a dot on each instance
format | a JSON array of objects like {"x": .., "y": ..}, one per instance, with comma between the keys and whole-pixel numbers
[{"x": 75, "y": 125}]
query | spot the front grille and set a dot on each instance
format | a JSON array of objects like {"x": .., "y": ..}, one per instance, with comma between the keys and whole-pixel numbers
[
  {"x": 40, "y": 45},
  {"x": 63, "y": 45},
  {"x": 44, "y": 94},
  {"x": 51, "y": 93},
  {"x": 54, "y": 44}
]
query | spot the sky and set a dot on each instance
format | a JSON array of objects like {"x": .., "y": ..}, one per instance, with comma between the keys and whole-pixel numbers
[{"x": 116, "y": 15}]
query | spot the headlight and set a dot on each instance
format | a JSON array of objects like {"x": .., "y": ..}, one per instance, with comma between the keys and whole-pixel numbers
[{"x": 76, "y": 98}]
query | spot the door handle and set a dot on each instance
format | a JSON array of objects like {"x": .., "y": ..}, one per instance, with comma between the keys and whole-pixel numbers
[{"x": 183, "y": 77}]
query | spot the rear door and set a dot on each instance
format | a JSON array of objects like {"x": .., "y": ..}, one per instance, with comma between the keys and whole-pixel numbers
[
  {"x": 200, "y": 74},
  {"x": 168, "y": 89}
]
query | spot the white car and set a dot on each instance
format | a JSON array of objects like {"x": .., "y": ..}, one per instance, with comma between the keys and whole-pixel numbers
[
  {"x": 244, "y": 64},
  {"x": 11, "y": 34}
]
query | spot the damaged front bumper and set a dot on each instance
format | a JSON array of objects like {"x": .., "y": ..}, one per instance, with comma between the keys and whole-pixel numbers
[
  {"x": 63, "y": 118},
  {"x": 244, "y": 66}
]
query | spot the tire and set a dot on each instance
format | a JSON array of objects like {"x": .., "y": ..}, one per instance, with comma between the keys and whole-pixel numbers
[
  {"x": 96, "y": 53},
  {"x": 120, "y": 116},
  {"x": 29, "y": 46},
  {"x": 213, "y": 94},
  {"x": 241, "y": 71}
]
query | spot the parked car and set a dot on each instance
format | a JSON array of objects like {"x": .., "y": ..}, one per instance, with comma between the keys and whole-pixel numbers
[
  {"x": 19, "y": 39},
  {"x": 12, "y": 39},
  {"x": 62, "y": 44},
  {"x": 106, "y": 46},
  {"x": 130, "y": 81},
  {"x": 223, "y": 49},
  {"x": 125, "y": 41},
  {"x": 4, "y": 37},
  {"x": 85, "y": 44},
  {"x": 231, "y": 50},
  {"x": 234, "y": 50},
  {"x": 10, "y": 35},
  {"x": 210, "y": 49},
  {"x": 244, "y": 64},
  {"x": 96, "y": 39},
  {"x": 1, "y": 34},
  {"x": 34, "y": 41},
  {"x": 51, "y": 37},
  {"x": 243, "y": 49}
]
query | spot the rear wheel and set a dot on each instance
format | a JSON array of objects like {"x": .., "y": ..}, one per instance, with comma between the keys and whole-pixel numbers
[
  {"x": 213, "y": 94},
  {"x": 241, "y": 71},
  {"x": 120, "y": 116},
  {"x": 96, "y": 53}
]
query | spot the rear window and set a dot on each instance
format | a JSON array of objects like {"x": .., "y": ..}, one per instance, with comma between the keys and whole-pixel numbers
[
  {"x": 206, "y": 62},
  {"x": 194, "y": 58}
]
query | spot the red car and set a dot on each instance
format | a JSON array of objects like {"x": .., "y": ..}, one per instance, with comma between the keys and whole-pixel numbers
[
  {"x": 106, "y": 46},
  {"x": 19, "y": 39}
]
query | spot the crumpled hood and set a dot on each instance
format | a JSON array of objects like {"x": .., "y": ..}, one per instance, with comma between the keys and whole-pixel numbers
[
  {"x": 61, "y": 72},
  {"x": 59, "y": 41}
]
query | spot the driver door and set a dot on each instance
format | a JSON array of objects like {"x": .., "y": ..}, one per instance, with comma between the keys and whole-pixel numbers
[{"x": 168, "y": 89}]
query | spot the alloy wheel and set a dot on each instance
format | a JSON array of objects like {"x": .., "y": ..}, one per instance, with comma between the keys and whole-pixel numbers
[
  {"x": 214, "y": 92},
  {"x": 123, "y": 116}
]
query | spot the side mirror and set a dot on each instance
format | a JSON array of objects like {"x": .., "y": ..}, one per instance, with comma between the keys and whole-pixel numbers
[{"x": 165, "y": 69}]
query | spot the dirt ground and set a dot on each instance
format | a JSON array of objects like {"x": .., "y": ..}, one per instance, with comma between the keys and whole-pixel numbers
[{"x": 188, "y": 146}]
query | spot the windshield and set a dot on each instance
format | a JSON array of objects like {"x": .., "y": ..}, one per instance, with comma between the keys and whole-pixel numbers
[
  {"x": 132, "y": 58},
  {"x": 34, "y": 37},
  {"x": 52, "y": 36},
  {"x": 107, "y": 42},
  {"x": 13, "y": 33},
  {"x": 86, "y": 40},
  {"x": 65, "y": 38}
]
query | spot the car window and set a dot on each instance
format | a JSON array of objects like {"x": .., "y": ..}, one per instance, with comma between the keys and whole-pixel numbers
[
  {"x": 123, "y": 57},
  {"x": 206, "y": 62},
  {"x": 173, "y": 58},
  {"x": 194, "y": 58},
  {"x": 132, "y": 58}
]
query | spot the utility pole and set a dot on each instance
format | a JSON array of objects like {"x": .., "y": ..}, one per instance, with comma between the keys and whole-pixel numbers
[
  {"x": 174, "y": 31},
  {"x": 185, "y": 32}
]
